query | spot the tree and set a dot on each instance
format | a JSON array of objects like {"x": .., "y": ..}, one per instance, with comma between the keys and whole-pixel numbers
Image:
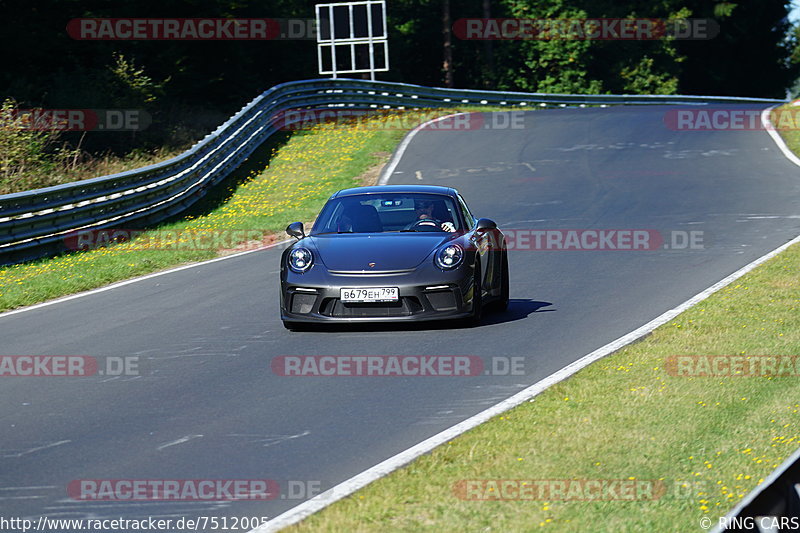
[{"x": 749, "y": 57}]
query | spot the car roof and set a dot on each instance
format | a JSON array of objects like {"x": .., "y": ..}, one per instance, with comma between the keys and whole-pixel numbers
[{"x": 376, "y": 189}]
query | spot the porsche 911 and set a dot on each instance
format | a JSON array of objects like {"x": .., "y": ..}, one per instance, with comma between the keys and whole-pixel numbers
[{"x": 393, "y": 253}]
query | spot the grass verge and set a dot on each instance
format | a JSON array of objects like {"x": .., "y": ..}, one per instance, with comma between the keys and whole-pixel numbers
[
  {"x": 286, "y": 180},
  {"x": 790, "y": 132},
  {"x": 701, "y": 443},
  {"x": 707, "y": 441}
]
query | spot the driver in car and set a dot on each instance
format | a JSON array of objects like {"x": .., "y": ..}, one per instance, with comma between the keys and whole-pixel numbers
[{"x": 424, "y": 211}]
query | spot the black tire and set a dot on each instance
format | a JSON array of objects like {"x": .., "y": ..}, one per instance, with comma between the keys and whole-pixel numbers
[
  {"x": 502, "y": 304},
  {"x": 477, "y": 299}
]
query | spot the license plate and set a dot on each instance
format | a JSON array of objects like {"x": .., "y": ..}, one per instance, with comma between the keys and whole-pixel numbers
[{"x": 370, "y": 294}]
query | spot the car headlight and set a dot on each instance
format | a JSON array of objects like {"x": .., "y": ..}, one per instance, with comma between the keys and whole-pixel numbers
[
  {"x": 449, "y": 256},
  {"x": 300, "y": 259}
]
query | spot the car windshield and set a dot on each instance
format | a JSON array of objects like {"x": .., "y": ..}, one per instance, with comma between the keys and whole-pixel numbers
[{"x": 388, "y": 212}]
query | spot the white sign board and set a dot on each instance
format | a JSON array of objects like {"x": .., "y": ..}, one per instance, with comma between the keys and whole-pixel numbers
[{"x": 351, "y": 38}]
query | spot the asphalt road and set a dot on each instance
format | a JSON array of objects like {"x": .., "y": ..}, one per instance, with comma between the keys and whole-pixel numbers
[{"x": 209, "y": 405}]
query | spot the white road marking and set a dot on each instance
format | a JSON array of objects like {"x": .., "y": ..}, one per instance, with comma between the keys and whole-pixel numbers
[
  {"x": 38, "y": 448},
  {"x": 388, "y": 170},
  {"x": 772, "y": 217},
  {"x": 269, "y": 440},
  {"x": 380, "y": 470},
  {"x": 40, "y": 487},
  {"x": 775, "y": 474},
  {"x": 776, "y": 137},
  {"x": 181, "y": 440},
  {"x": 349, "y": 486},
  {"x": 141, "y": 278}
]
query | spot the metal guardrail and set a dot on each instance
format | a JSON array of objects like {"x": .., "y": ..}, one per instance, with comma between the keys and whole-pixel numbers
[
  {"x": 35, "y": 223},
  {"x": 772, "y": 506}
]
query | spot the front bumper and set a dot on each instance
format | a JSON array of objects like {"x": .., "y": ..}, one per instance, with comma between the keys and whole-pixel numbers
[{"x": 430, "y": 294}]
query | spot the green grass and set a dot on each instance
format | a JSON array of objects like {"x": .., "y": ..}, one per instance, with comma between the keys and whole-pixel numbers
[
  {"x": 708, "y": 441},
  {"x": 791, "y": 135},
  {"x": 704, "y": 441},
  {"x": 283, "y": 182},
  {"x": 288, "y": 183}
]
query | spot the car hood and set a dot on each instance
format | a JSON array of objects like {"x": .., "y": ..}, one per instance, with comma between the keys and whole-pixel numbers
[{"x": 389, "y": 251}]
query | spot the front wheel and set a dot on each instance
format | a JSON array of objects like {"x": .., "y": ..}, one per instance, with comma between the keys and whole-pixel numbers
[
  {"x": 502, "y": 304},
  {"x": 477, "y": 299}
]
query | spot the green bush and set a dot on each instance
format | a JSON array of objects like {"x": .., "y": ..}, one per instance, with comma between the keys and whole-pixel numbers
[{"x": 29, "y": 153}]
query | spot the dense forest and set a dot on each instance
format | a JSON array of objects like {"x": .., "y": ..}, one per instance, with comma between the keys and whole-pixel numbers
[{"x": 193, "y": 85}]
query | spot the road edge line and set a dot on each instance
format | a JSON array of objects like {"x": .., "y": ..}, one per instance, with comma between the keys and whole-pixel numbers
[
  {"x": 351, "y": 485},
  {"x": 761, "y": 487},
  {"x": 137, "y": 279},
  {"x": 766, "y": 123},
  {"x": 388, "y": 170},
  {"x": 385, "y": 174}
]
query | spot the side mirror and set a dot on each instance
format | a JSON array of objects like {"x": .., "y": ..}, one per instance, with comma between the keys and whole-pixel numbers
[
  {"x": 485, "y": 224},
  {"x": 295, "y": 230}
]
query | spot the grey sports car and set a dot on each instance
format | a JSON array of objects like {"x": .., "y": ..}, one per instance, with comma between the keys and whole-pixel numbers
[{"x": 393, "y": 253}]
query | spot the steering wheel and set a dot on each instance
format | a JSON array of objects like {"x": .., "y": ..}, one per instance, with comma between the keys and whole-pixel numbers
[{"x": 426, "y": 224}]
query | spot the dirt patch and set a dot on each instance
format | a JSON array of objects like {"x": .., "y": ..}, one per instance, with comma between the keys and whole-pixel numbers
[
  {"x": 371, "y": 175},
  {"x": 782, "y": 283},
  {"x": 268, "y": 239}
]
